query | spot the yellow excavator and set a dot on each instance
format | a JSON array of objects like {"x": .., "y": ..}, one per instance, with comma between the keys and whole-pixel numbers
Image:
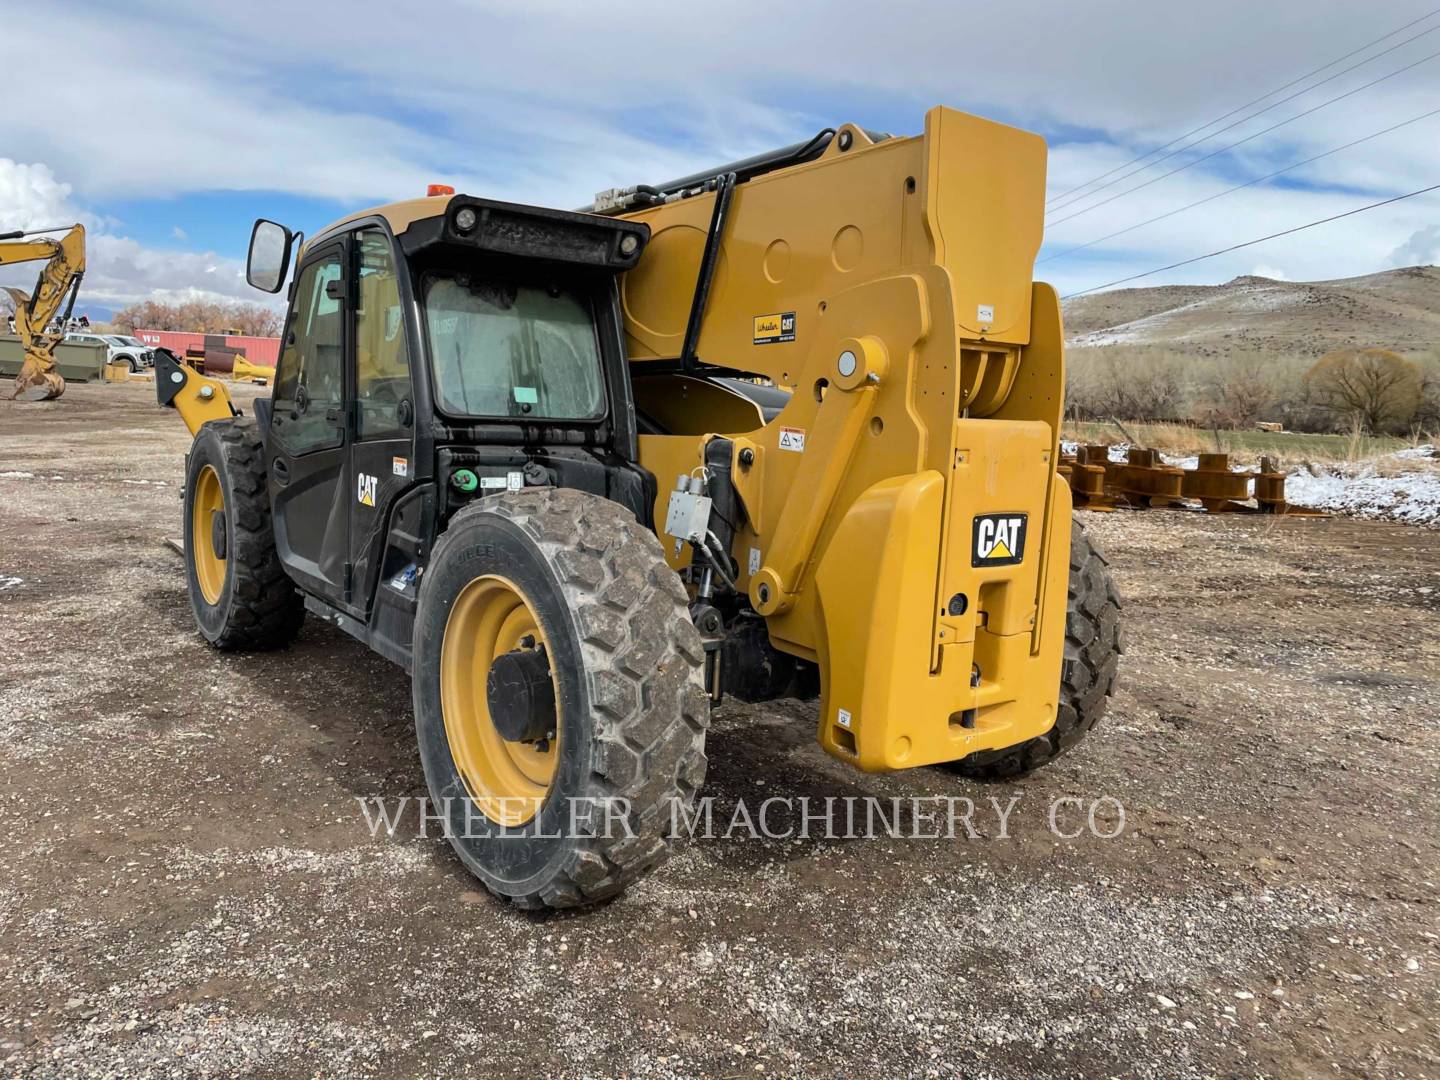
[
  {"x": 786, "y": 427},
  {"x": 39, "y": 321}
]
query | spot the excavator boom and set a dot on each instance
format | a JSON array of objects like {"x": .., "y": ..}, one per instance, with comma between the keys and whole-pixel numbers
[{"x": 58, "y": 284}]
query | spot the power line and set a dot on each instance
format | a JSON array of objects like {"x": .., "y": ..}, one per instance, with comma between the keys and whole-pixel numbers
[
  {"x": 1242, "y": 142},
  {"x": 1256, "y": 101},
  {"x": 1245, "y": 120},
  {"x": 1251, "y": 243},
  {"x": 1238, "y": 187}
]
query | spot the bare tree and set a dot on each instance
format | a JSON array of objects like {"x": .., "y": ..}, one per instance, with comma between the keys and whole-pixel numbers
[
  {"x": 1234, "y": 393},
  {"x": 200, "y": 317},
  {"x": 1427, "y": 415},
  {"x": 1133, "y": 383},
  {"x": 1379, "y": 387}
]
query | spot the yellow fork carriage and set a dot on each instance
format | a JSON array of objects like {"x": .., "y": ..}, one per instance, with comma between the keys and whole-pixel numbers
[{"x": 785, "y": 427}]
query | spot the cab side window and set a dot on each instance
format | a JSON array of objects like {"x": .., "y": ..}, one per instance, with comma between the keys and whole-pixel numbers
[
  {"x": 382, "y": 362},
  {"x": 310, "y": 383}
]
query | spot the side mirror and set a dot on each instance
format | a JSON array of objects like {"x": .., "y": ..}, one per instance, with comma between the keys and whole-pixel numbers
[{"x": 269, "y": 257}]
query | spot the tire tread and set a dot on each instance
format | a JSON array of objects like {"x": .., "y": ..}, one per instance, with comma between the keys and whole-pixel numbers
[
  {"x": 266, "y": 610},
  {"x": 645, "y": 679}
]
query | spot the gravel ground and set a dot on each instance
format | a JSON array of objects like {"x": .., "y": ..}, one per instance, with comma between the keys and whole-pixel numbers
[{"x": 188, "y": 886}]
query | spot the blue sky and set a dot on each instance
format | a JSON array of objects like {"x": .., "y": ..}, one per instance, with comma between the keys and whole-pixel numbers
[{"x": 181, "y": 123}]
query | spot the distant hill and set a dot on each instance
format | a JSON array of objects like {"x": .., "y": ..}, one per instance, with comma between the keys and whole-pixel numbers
[{"x": 1395, "y": 309}]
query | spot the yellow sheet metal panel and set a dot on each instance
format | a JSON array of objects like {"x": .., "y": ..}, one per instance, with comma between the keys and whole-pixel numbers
[
  {"x": 795, "y": 239},
  {"x": 1038, "y": 389},
  {"x": 876, "y": 584},
  {"x": 898, "y": 516},
  {"x": 882, "y": 706},
  {"x": 973, "y": 188},
  {"x": 985, "y": 209},
  {"x": 667, "y": 456},
  {"x": 998, "y": 488}
]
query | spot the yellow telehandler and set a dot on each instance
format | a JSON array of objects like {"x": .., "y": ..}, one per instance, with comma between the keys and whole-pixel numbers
[
  {"x": 785, "y": 427},
  {"x": 38, "y": 320}
]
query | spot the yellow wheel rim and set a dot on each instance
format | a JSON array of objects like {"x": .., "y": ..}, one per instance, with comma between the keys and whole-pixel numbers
[
  {"x": 508, "y": 781},
  {"x": 209, "y": 568}
]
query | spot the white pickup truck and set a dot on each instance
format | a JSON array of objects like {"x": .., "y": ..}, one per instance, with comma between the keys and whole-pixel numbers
[{"x": 130, "y": 350}]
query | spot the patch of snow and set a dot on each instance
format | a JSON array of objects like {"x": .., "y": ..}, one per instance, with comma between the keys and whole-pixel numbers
[
  {"x": 10, "y": 582},
  {"x": 1412, "y": 497},
  {"x": 17, "y": 476},
  {"x": 1245, "y": 297},
  {"x": 1118, "y": 451},
  {"x": 1426, "y": 452}
]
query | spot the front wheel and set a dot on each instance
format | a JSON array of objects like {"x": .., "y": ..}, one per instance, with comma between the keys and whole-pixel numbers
[
  {"x": 559, "y": 695},
  {"x": 239, "y": 592},
  {"x": 1087, "y": 675}
]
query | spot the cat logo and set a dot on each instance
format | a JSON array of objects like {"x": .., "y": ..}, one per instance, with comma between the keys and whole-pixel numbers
[
  {"x": 770, "y": 329},
  {"x": 367, "y": 487},
  {"x": 999, "y": 540}
]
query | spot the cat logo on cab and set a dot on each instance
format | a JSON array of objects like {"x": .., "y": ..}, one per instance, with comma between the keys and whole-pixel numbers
[
  {"x": 999, "y": 540},
  {"x": 365, "y": 489}
]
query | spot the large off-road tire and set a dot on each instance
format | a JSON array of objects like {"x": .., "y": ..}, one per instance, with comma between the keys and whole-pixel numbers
[
  {"x": 239, "y": 592},
  {"x": 575, "y": 816},
  {"x": 1087, "y": 675}
]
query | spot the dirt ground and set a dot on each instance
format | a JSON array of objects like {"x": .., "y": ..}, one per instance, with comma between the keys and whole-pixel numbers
[{"x": 188, "y": 886}]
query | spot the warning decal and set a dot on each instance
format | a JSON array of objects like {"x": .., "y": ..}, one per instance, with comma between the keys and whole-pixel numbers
[
  {"x": 770, "y": 329},
  {"x": 999, "y": 540},
  {"x": 792, "y": 438}
]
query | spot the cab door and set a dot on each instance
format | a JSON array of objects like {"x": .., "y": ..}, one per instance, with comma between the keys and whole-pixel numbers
[
  {"x": 382, "y": 455},
  {"x": 307, "y": 444}
]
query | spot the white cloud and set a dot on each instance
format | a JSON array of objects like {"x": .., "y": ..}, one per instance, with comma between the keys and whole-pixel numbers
[
  {"x": 31, "y": 197},
  {"x": 1422, "y": 249},
  {"x": 119, "y": 270},
  {"x": 1267, "y": 271}
]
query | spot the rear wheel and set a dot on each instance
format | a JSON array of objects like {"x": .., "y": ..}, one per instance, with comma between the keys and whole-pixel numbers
[
  {"x": 1087, "y": 675},
  {"x": 239, "y": 592},
  {"x": 559, "y": 695}
]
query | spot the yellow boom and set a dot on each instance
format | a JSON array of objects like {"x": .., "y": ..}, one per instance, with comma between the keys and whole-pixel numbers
[
  {"x": 34, "y": 313},
  {"x": 889, "y": 284}
]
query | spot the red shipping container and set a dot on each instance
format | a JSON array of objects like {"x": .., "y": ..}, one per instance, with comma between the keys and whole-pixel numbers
[{"x": 264, "y": 351}]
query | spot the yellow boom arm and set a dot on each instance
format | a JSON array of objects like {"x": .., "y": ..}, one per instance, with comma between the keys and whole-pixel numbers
[
  {"x": 59, "y": 279},
  {"x": 903, "y": 524}
]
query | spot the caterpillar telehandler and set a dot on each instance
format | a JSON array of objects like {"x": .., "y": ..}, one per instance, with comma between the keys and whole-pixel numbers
[
  {"x": 38, "y": 321},
  {"x": 785, "y": 427}
]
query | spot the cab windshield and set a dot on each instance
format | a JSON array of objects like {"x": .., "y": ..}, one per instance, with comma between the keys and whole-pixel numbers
[{"x": 505, "y": 349}]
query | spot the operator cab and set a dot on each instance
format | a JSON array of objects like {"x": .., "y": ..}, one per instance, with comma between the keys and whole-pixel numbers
[{"x": 436, "y": 351}]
